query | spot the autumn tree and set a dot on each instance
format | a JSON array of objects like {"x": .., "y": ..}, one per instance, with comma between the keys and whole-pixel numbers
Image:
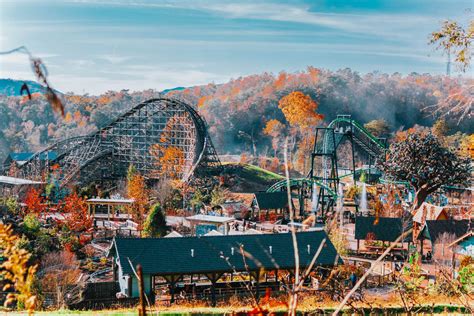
[
  {"x": 15, "y": 271},
  {"x": 275, "y": 129},
  {"x": 61, "y": 274},
  {"x": 426, "y": 165},
  {"x": 35, "y": 202},
  {"x": 299, "y": 109},
  {"x": 168, "y": 158},
  {"x": 467, "y": 146},
  {"x": 378, "y": 127},
  {"x": 77, "y": 218},
  {"x": 169, "y": 161},
  {"x": 155, "y": 224},
  {"x": 452, "y": 38},
  {"x": 440, "y": 128},
  {"x": 136, "y": 190}
]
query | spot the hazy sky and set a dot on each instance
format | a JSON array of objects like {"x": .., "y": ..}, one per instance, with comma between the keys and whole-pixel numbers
[{"x": 93, "y": 46}]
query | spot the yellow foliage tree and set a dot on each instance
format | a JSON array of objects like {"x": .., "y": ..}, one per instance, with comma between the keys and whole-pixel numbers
[{"x": 15, "y": 270}]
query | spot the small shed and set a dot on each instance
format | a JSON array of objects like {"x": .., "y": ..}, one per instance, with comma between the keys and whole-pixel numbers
[{"x": 265, "y": 204}]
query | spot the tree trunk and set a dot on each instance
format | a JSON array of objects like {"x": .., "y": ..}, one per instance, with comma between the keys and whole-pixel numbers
[{"x": 420, "y": 197}]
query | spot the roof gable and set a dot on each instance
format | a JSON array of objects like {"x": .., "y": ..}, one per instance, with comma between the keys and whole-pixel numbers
[
  {"x": 435, "y": 229},
  {"x": 215, "y": 254},
  {"x": 433, "y": 212}
]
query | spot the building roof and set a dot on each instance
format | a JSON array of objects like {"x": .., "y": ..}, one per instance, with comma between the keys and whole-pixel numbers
[
  {"x": 110, "y": 201},
  {"x": 186, "y": 255},
  {"x": 17, "y": 181},
  {"x": 387, "y": 228},
  {"x": 173, "y": 234},
  {"x": 213, "y": 233},
  {"x": 271, "y": 200},
  {"x": 23, "y": 156},
  {"x": 435, "y": 229},
  {"x": 433, "y": 212},
  {"x": 210, "y": 218},
  {"x": 233, "y": 207}
]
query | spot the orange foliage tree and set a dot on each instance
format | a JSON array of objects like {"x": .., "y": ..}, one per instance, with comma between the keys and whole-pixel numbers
[
  {"x": 169, "y": 161},
  {"x": 136, "y": 190},
  {"x": 300, "y": 112},
  {"x": 275, "y": 129},
  {"x": 299, "y": 109},
  {"x": 35, "y": 203},
  {"x": 76, "y": 215}
]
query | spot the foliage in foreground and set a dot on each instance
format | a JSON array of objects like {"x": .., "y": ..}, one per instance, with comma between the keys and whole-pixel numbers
[{"x": 19, "y": 276}]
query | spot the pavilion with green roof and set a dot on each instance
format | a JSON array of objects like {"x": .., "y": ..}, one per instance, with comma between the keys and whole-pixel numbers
[{"x": 177, "y": 261}]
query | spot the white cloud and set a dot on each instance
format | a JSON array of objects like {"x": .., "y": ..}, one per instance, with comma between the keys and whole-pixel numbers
[
  {"x": 135, "y": 78},
  {"x": 114, "y": 59},
  {"x": 397, "y": 25}
]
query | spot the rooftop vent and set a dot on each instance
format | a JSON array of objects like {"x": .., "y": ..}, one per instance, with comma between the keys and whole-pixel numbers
[
  {"x": 232, "y": 250},
  {"x": 309, "y": 249},
  {"x": 192, "y": 253},
  {"x": 270, "y": 248}
]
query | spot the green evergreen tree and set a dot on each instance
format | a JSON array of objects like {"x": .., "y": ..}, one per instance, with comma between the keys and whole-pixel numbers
[{"x": 155, "y": 224}]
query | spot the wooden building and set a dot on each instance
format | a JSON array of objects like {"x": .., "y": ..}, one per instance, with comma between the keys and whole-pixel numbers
[
  {"x": 269, "y": 206},
  {"x": 385, "y": 229},
  {"x": 180, "y": 265}
]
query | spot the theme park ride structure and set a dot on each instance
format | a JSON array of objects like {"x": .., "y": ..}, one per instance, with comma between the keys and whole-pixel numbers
[
  {"x": 153, "y": 134},
  {"x": 327, "y": 167}
]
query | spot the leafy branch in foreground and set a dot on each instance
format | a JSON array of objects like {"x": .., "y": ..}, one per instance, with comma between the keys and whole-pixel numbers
[
  {"x": 453, "y": 38},
  {"x": 15, "y": 270},
  {"x": 41, "y": 74}
]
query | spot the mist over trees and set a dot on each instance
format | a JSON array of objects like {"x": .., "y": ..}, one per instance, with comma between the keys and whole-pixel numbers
[{"x": 240, "y": 112}]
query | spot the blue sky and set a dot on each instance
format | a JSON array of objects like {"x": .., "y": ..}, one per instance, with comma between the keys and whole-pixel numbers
[{"x": 91, "y": 46}]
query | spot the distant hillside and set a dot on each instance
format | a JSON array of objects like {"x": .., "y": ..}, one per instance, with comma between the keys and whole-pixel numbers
[
  {"x": 243, "y": 115},
  {"x": 12, "y": 87}
]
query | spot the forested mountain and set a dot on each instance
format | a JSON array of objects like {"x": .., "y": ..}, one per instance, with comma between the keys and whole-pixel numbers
[
  {"x": 238, "y": 112},
  {"x": 12, "y": 87}
]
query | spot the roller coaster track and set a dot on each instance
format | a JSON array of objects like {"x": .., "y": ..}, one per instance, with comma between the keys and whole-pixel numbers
[
  {"x": 325, "y": 175},
  {"x": 127, "y": 140}
]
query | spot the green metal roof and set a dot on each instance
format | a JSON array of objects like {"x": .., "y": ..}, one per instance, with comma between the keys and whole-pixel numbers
[
  {"x": 434, "y": 229},
  {"x": 271, "y": 200},
  {"x": 387, "y": 228},
  {"x": 192, "y": 255}
]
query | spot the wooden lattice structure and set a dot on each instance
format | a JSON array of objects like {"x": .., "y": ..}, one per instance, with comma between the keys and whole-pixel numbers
[{"x": 160, "y": 137}]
